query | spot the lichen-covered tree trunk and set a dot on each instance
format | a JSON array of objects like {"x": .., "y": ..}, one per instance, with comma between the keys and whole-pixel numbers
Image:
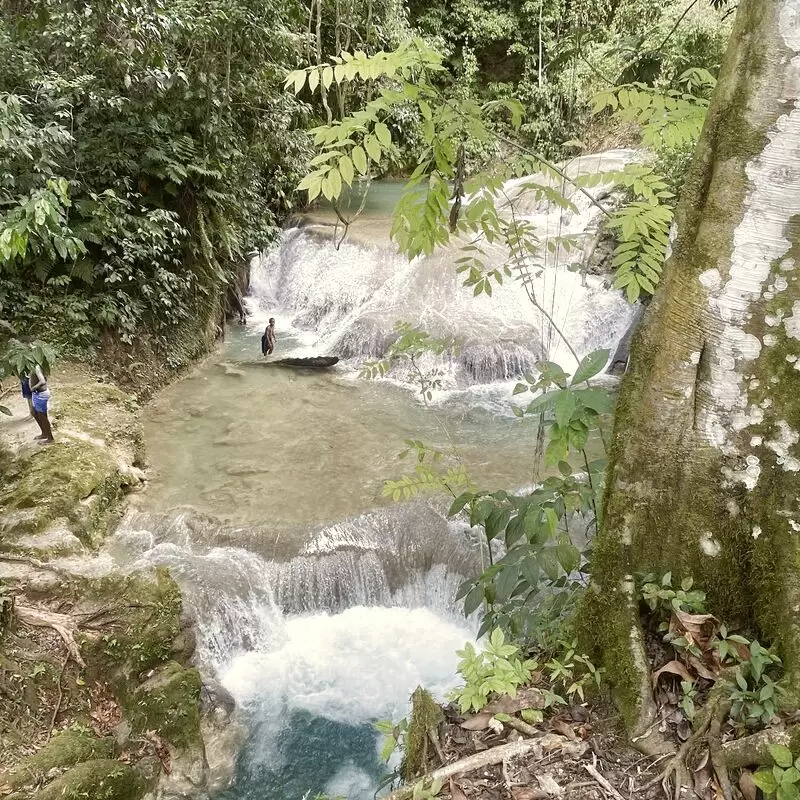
[{"x": 704, "y": 475}]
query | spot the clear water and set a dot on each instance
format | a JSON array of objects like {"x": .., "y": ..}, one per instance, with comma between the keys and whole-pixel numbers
[
  {"x": 322, "y": 605},
  {"x": 252, "y": 443}
]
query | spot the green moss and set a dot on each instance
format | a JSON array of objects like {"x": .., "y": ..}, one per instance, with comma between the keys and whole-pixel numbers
[
  {"x": 148, "y": 625},
  {"x": 52, "y": 483},
  {"x": 169, "y": 703},
  {"x": 426, "y": 715},
  {"x": 603, "y": 628},
  {"x": 65, "y": 749},
  {"x": 98, "y": 779}
]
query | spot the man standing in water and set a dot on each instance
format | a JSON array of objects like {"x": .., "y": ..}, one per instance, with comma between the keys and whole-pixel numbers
[
  {"x": 39, "y": 400},
  {"x": 268, "y": 339}
]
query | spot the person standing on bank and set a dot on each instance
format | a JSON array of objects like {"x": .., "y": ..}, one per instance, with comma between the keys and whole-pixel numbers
[
  {"x": 268, "y": 339},
  {"x": 25, "y": 385},
  {"x": 40, "y": 399}
]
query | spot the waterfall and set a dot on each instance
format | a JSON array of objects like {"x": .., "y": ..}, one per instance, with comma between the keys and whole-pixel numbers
[
  {"x": 318, "y": 629},
  {"x": 318, "y": 635},
  {"x": 242, "y": 582},
  {"x": 346, "y": 301}
]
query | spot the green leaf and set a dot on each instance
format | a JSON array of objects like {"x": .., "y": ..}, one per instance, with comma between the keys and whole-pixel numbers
[
  {"x": 346, "y": 170},
  {"x": 781, "y": 755},
  {"x": 459, "y": 503},
  {"x": 473, "y": 599},
  {"x": 373, "y": 148},
  {"x": 360, "y": 159},
  {"x": 599, "y": 400},
  {"x": 335, "y": 182},
  {"x": 506, "y": 581},
  {"x": 5, "y": 410},
  {"x": 590, "y": 366},
  {"x": 383, "y": 134},
  {"x": 766, "y": 782},
  {"x": 564, "y": 408},
  {"x": 61, "y": 247}
]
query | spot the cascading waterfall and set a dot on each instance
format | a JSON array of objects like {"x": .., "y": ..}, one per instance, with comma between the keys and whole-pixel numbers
[
  {"x": 321, "y": 621},
  {"x": 317, "y": 645},
  {"x": 346, "y": 301}
]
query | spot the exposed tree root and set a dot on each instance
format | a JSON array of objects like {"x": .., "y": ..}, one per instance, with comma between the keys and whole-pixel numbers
[
  {"x": 495, "y": 755},
  {"x": 754, "y": 749},
  {"x": 63, "y": 624},
  {"x": 36, "y": 563},
  {"x": 715, "y": 748},
  {"x": 677, "y": 764},
  {"x": 60, "y": 696}
]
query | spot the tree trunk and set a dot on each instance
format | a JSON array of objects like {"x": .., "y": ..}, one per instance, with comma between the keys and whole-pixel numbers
[{"x": 704, "y": 472}]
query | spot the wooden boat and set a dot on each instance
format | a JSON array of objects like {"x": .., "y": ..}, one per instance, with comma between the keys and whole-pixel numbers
[{"x": 310, "y": 362}]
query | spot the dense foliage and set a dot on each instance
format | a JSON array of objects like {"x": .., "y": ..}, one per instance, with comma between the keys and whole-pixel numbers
[
  {"x": 553, "y": 55},
  {"x": 146, "y": 148}
]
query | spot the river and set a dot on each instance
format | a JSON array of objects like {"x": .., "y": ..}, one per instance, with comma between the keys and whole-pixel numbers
[{"x": 321, "y": 603}]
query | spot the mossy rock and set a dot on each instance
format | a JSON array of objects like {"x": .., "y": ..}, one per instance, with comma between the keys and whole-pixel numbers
[
  {"x": 52, "y": 484},
  {"x": 426, "y": 715},
  {"x": 149, "y": 623},
  {"x": 169, "y": 702},
  {"x": 98, "y": 779},
  {"x": 65, "y": 749}
]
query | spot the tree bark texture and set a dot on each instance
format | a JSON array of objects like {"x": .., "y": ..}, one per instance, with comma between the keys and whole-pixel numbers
[{"x": 704, "y": 468}]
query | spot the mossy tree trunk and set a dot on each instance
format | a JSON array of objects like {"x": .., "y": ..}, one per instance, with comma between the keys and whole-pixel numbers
[{"x": 704, "y": 474}]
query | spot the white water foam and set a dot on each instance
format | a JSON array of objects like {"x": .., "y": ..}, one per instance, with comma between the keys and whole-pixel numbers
[
  {"x": 349, "y": 669},
  {"x": 346, "y": 301}
]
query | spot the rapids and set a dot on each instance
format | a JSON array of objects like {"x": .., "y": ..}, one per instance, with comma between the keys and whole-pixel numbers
[{"x": 320, "y": 604}]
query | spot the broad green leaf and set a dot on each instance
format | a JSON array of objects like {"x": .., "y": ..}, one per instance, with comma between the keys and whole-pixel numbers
[
  {"x": 506, "y": 581},
  {"x": 599, "y": 400},
  {"x": 372, "y": 147},
  {"x": 61, "y": 247},
  {"x": 590, "y": 365},
  {"x": 564, "y": 407},
  {"x": 327, "y": 77},
  {"x": 335, "y": 181},
  {"x": 473, "y": 600},
  {"x": 383, "y": 134},
  {"x": 544, "y": 402},
  {"x": 360, "y": 159},
  {"x": 299, "y": 80},
  {"x": 346, "y": 169},
  {"x": 5, "y": 410},
  {"x": 781, "y": 755},
  {"x": 459, "y": 503},
  {"x": 766, "y": 782}
]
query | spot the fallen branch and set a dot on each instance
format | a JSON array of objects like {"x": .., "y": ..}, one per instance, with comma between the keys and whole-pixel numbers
[
  {"x": 433, "y": 735},
  {"x": 63, "y": 624},
  {"x": 495, "y": 755},
  {"x": 601, "y": 780},
  {"x": 60, "y": 697},
  {"x": 521, "y": 726}
]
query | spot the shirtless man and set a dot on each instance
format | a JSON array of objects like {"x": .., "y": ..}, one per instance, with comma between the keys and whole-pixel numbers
[{"x": 268, "y": 339}]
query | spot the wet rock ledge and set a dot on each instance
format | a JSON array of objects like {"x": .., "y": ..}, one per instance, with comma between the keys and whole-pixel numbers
[{"x": 98, "y": 696}]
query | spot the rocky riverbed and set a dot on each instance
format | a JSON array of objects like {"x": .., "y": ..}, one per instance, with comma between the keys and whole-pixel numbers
[{"x": 99, "y": 695}]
